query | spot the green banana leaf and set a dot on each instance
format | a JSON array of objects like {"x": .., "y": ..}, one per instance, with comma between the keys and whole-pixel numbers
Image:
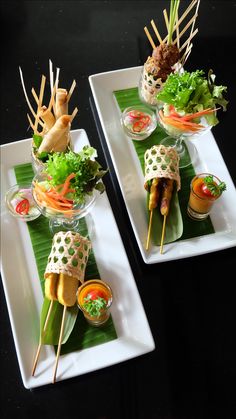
[
  {"x": 52, "y": 332},
  {"x": 178, "y": 225},
  {"x": 78, "y": 334}
]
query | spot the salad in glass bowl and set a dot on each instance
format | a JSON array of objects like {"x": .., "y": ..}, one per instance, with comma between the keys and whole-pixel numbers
[
  {"x": 189, "y": 109},
  {"x": 66, "y": 189}
]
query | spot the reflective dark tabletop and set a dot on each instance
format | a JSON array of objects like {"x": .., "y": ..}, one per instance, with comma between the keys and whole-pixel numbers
[{"x": 189, "y": 303}]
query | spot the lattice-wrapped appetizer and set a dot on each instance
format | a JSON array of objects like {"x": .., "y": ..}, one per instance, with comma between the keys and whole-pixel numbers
[
  {"x": 63, "y": 274},
  {"x": 169, "y": 56},
  {"x": 161, "y": 175}
]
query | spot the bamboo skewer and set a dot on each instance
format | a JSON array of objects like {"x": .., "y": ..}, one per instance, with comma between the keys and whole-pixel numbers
[
  {"x": 71, "y": 90},
  {"x": 59, "y": 344},
  {"x": 189, "y": 8},
  {"x": 163, "y": 234},
  {"x": 73, "y": 114},
  {"x": 40, "y": 339},
  {"x": 43, "y": 81},
  {"x": 149, "y": 229},
  {"x": 149, "y": 37},
  {"x": 192, "y": 20},
  {"x": 166, "y": 19},
  {"x": 189, "y": 39},
  {"x": 196, "y": 12},
  {"x": 156, "y": 31}
]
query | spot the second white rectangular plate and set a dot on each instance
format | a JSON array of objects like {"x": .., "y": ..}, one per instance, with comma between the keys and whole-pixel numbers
[
  {"x": 130, "y": 176},
  {"x": 24, "y": 295}
]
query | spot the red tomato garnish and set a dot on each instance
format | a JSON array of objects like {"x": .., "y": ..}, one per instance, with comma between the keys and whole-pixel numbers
[
  {"x": 23, "y": 207},
  {"x": 136, "y": 114},
  {"x": 206, "y": 191},
  {"x": 94, "y": 294},
  {"x": 138, "y": 126}
]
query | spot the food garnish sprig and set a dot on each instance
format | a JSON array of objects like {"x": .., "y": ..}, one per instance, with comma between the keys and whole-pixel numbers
[
  {"x": 212, "y": 188},
  {"x": 161, "y": 173},
  {"x": 64, "y": 271},
  {"x": 51, "y": 123}
]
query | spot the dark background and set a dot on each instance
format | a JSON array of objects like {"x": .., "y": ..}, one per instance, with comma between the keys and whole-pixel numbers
[{"x": 190, "y": 303}]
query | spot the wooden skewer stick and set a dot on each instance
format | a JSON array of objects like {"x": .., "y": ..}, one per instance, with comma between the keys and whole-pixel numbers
[
  {"x": 186, "y": 54},
  {"x": 73, "y": 114},
  {"x": 189, "y": 39},
  {"x": 25, "y": 93},
  {"x": 40, "y": 339},
  {"x": 149, "y": 229},
  {"x": 189, "y": 8},
  {"x": 193, "y": 24},
  {"x": 192, "y": 20},
  {"x": 42, "y": 86},
  {"x": 149, "y": 37},
  {"x": 71, "y": 91},
  {"x": 59, "y": 344},
  {"x": 156, "y": 31},
  {"x": 166, "y": 19},
  {"x": 163, "y": 234}
]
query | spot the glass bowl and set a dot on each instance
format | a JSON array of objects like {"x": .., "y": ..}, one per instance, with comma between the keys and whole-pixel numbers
[
  {"x": 138, "y": 122},
  {"x": 67, "y": 219},
  {"x": 20, "y": 203}
]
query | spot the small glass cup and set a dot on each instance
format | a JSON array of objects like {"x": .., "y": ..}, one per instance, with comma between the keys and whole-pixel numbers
[
  {"x": 200, "y": 203},
  {"x": 91, "y": 291},
  {"x": 138, "y": 122},
  {"x": 16, "y": 195}
]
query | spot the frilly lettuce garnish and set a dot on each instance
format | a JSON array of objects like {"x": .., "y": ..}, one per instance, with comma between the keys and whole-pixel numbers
[
  {"x": 193, "y": 92},
  {"x": 88, "y": 172}
]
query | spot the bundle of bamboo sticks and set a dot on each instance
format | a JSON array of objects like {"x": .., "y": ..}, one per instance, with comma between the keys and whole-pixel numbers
[{"x": 186, "y": 47}]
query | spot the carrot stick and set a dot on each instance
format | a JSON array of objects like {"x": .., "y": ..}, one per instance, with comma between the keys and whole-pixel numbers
[
  {"x": 67, "y": 184},
  {"x": 200, "y": 113}
]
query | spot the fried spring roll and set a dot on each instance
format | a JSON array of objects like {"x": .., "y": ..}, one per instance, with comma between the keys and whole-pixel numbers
[
  {"x": 167, "y": 185},
  {"x": 61, "y": 106},
  {"x": 47, "y": 117},
  {"x": 53, "y": 136}
]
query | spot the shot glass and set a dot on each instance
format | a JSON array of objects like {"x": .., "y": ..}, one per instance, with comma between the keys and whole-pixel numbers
[
  {"x": 203, "y": 195},
  {"x": 94, "y": 300}
]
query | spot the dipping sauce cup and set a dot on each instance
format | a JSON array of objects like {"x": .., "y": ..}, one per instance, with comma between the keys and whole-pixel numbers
[
  {"x": 203, "y": 195},
  {"x": 94, "y": 300}
]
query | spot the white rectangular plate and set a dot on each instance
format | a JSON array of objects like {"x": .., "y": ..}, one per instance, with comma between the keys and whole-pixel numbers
[
  {"x": 130, "y": 176},
  {"x": 24, "y": 296}
]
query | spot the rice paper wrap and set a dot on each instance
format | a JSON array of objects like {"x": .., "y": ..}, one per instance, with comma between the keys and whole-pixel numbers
[
  {"x": 162, "y": 162},
  {"x": 69, "y": 255}
]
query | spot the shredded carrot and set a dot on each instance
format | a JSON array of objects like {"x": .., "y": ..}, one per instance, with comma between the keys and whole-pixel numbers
[
  {"x": 198, "y": 114},
  {"x": 67, "y": 184},
  {"x": 179, "y": 123},
  {"x": 52, "y": 199}
]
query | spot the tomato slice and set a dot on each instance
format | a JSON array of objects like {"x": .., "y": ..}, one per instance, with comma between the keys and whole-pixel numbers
[
  {"x": 94, "y": 294},
  {"x": 23, "y": 207},
  {"x": 136, "y": 114},
  {"x": 138, "y": 126}
]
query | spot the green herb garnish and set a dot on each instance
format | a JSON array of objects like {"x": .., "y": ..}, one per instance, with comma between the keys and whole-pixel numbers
[
  {"x": 193, "y": 92},
  {"x": 213, "y": 187},
  {"x": 88, "y": 172},
  {"x": 37, "y": 140},
  {"x": 94, "y": 307}
]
